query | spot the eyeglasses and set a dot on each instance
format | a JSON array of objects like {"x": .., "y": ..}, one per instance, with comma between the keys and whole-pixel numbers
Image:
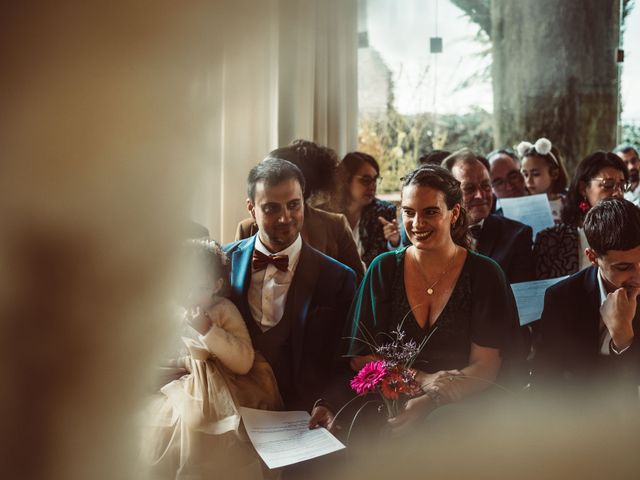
[
  {"x": 471, "y": 188},
  {"x": 611, "y": 184},
  {"x": 514, "y": 178},
  {"x": 367, "y": 180}
]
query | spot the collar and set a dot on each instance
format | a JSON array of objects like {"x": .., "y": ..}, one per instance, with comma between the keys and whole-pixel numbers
[
  {"x": 479, "y": 224},
  {"x": 292, "y": 251}
]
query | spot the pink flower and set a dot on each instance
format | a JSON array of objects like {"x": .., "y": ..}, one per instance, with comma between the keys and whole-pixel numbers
[{"x": 369, "y": 377}]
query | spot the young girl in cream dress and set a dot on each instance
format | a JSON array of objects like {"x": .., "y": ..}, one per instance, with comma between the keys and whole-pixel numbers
[{"x": 194, "y": 428}]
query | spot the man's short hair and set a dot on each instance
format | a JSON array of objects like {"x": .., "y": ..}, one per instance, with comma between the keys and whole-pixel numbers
[
  {"x": 272, "y": 171},
  {"x": 625, "y": 148},
  {"x": 434, "y": 157},
  {"x": 502, "y": 151},
  {"x": 465, "y": 156},
  {"x": 613, "y": 224}
]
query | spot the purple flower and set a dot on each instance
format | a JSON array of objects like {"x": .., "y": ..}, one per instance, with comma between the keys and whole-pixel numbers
[{"x": 369, "y": 377}]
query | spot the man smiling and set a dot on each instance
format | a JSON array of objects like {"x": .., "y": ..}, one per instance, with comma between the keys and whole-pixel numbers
[
  {"x": 504, "y": 240},
  {"x": 293, "y": 298},
  {"x": 589, "y": 320}
]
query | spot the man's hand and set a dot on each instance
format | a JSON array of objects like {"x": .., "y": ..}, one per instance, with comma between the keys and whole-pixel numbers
[
  {"x": 391, "y": 231},
  {"x": 617, "y": 313},
  {"x": 321, "y": 416}
]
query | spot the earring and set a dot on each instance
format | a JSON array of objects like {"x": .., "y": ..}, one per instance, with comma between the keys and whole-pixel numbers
[{"x": 584, "y": 206}]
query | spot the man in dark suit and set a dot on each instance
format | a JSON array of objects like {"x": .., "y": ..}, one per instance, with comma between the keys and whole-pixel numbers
[
  {"x": 327, "y": 232},
  {"x": 504, "y": 240},
  {"x": 588, "y": 325},
  {"x": 293, "y": 298}
]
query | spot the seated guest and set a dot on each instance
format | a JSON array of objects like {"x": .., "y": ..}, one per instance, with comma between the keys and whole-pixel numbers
[
  {"x": 506, "y": 179},
  {"x": 327, "y": 232},
  {"x": 294, "y": 299},
  {"x": 588, "y": 325},
  {"x": 434, "y": 157},
  {"x": 629, "y": 156},
  {"x": 544, "y": 172},
  {"x": 373, "y": 221},
  {"x": 504, "y": 240},
  {"x": 436, "y": 288},
  {"x": 559, "y": 250}
]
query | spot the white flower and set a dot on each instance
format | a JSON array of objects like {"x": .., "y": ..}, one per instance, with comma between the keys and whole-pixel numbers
[
  {"x": 543, "y": 146},
  {"x": 522, "y": 147}
]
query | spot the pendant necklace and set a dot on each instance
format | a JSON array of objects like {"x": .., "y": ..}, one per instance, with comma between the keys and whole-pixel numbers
[{"x": 430, "y": 289}]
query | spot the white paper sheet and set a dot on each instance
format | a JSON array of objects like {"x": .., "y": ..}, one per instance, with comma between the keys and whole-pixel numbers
[
  {"x": 532, "y": 210},
  {"x": 530, "y": 298},
  {"x": 284, "y": 438}
]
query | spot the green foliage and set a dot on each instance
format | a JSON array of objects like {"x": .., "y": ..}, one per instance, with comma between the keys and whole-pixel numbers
[
  {"x": 630, "y": 133},
  {"x": 398, "y": 141}
]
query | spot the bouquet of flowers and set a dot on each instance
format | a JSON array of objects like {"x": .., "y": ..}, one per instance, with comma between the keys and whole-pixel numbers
[{"x": 391, "y": 375}]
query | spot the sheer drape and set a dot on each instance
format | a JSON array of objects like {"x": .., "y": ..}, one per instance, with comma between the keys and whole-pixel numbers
[{"x": 280, "y": 70}]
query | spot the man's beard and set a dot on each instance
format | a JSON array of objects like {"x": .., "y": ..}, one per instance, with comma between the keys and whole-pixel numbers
[{"x": 634, "y": 175}]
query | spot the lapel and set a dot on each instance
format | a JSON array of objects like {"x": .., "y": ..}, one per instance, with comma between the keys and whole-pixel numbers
[
  {"x": 589, "y": 319},
  {"x": 302, "y": 288},
  {"x": 241, "y": 274},
  {"x": 488, "y": 236}
]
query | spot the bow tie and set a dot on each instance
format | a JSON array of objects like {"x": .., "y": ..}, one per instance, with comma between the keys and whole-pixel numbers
[
  {"x": 260, "y": 261},
  {"x": 475, "y": 231}
]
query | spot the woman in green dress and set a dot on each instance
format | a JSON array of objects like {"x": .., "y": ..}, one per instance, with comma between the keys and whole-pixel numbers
[{"x": 436, "y": 287}]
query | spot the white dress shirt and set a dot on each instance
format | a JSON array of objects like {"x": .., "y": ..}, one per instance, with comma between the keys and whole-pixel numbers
[
  {"x": 633, "y": 196},
  {"x": 268, "y": 289}
]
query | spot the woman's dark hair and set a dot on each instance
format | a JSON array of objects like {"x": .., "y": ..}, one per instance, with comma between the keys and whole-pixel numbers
[
  {"x": 347, "y": 169},
  {"x": 317, "y": 164},
  {"x": 587, "y": 169},
  {"x": 554, "y": 162},
  {"x": 613, "y": 224},
  {"x": 441, "y": 179}
]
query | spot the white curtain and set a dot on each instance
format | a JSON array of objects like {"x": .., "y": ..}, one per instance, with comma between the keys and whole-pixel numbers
[{"x": 280, "y": 70}]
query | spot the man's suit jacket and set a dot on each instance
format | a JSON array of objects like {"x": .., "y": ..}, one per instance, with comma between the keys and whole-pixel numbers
[
  {"x": 327, "y": 232},
  {"x": 568, "y": 353},
  {"x": 508, "y": 243},
  {"x": 322, "y": 293}
]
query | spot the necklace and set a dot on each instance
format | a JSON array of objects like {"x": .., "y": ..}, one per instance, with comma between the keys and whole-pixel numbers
[{"x": 430, "y": 289}]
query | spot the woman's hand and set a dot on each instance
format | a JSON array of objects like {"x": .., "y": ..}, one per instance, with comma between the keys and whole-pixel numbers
[
  {"x": 445, "y": 383},
  {"x": 390, "y": 230},
  {"x": 321, "y": 416},
  {"x": 415, "y": 409}
]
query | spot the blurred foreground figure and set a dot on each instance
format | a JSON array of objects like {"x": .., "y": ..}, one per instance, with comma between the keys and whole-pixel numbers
[{"x": 96, "y": 101}]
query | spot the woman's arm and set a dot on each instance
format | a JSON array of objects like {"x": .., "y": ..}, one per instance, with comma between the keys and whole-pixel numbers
[
  {"x": 453, "y": 385},
  {"x": 448, "y": 386}
]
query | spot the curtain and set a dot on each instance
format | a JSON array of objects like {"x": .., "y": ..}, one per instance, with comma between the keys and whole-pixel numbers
[{"x": 280, "y": 70}]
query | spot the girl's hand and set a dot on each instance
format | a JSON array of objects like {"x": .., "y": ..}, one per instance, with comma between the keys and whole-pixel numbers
[{"x": 200, "y": 321}]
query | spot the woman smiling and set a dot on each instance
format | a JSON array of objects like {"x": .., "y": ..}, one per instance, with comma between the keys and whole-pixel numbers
[{"x": 440, "y": 289}]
